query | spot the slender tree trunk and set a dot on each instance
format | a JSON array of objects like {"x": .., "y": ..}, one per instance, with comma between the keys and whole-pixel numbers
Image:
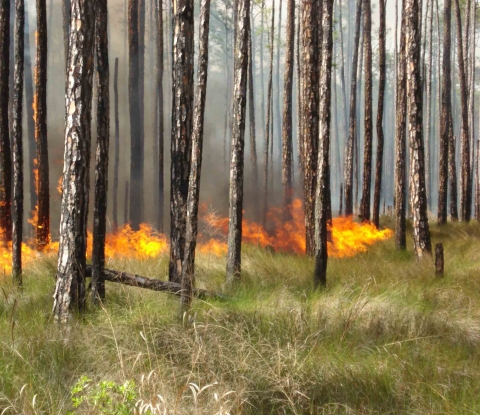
[
  {"x": 188, "y": 267},
  {"x": 368, "y": 123},
  {"x": 466, "y": 194},
  {"x": 137, "y": 205},
  {"x": 125, "y": 203},
  {"x": 269, "y": 122},
  {"x": 160, "y": 118},
  {"x": 310, "y": 115},
  {"x": 5, "y": 152},
  {"x": 70, "y": 287},
  {"x": 352, "y": 131},
  {"x": 278, "y": 116},
  {"x": 182, "y": 127},
  {"x": 429, "y": 107},
  {"x": 323, "y": 175},
  {"x": 66, "y": 27},
  {"x": 471, "y": 94},
  {"x": 299, "y": 100},
  {"x": 117, "y": 149},
  {"x": 17, "y": 207},
  {"x": 287, "y": 151},
  {"x": 452, "y": 172},
  {"x": 40, "y": 108},
  {"x": 381, "y": 98},
  {"x": 238, "y": 144},
  {"x": 446, "y": 111},
  {"x": 251, "y": 115},
  {"x": 262, "y": 70},
  {"x": 400, "y": 140},
  {"x": 418, "y": 197},
  {"x": 101, "y": 155}
]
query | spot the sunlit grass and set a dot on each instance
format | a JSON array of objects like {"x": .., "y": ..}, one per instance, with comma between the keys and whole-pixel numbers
[{"x": 384, "y": 337}]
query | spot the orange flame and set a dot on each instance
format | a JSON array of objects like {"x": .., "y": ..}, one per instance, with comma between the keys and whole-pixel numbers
[{"x": 60, "y": 185}]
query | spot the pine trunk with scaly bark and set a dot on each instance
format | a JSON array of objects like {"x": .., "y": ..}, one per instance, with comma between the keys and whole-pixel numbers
[
  {"x": 418, "y": 197},
  {"x": 101, "y": 154},
  {"x": 5, "y": 152},
  {"x": 160, "y": 118},
  {"x": 43, "y": 192},
  {"x": 70, "y": 286},
  {"x": 117, "y": 149},
  {"x": 238, "y": 144},
  {"x": 465, "y": 189},
  {"x": 429, "y": 106},
  {"x": 17, "y": 145},
  {"x": 182, "y": 127},
  {"x": 352, "y": 130},
  {"x": 251, "y": 115},
  {"x": 310, "y": 116},
  {"x": 452, "y": 171},
  {"x": 400, "y": 141},
  {"x": 188, "y": 267},
  {"x": 300, "y": 149},
  {"x": 368, "y": 123},
  {"x": 287, "y": 142},
  {"x": 381, "y": 98},
  {"x": 323, "y": 176}
]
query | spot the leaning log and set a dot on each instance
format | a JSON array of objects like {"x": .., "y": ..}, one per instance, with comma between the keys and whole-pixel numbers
[{"x": 152, "y": 284}]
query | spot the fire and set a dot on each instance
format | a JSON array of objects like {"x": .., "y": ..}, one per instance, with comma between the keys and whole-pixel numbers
[
  {"x": 34, "y": 219},
  {"x": 60, "y": 185}
]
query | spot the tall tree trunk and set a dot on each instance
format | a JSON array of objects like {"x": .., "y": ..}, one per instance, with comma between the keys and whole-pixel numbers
[
  {"x": 466, "y": 194},
  {"x": 452, "y": 171},
  {"x": 310, "y": 116},
  {"x": 471, "y": 95},
  {"x": 446, "y": 111},
  {"x": 251, "y": 114},
  {"x": 238, "y": 144},
  {"x": 278, "y": 115},
  {"x": 323, "y": 175},
  {"x": 137, "y": 205},
  {"x": 70, "y": 287},
  {"x": 101, "y": 155},
  {"x": 269, "y": 123},
  {"x": 299, "y": 100},
  {"x": 352, "y": 131},
  {"x": 160, "y": 118},
  {"x": 400, "y": 140},
  {"x": 182, "y": 127},
  {"x": 17, "y": 145},
  {"x": 381, "y": 98},
  {"x": 262, "y": 70},
  {"x": 117, "y": 149},
  {"x": 40, "y": 108},
  {"x": 429, "y": 106},
  {"x": 125, "y": 203},
  {"x": 5, "y": 152},
  {"x": 287, "y": 150},
  {"x": 188, "y": 267},
  {"x": 418, "y": 197},
  {"x": 66, "y": 27},
  {"x": 368, "y": 123}
]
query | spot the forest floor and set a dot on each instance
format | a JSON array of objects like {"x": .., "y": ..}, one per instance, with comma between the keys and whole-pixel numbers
[{"x": 385, "y": 337}]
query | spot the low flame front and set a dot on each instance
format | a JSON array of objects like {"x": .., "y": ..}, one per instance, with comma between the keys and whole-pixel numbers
[{"x": 347, "y": 238}]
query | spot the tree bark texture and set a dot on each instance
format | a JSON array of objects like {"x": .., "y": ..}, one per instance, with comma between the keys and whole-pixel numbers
[
  {"x": 182, "y": 126},
  {"x": 287, "y": 141},
  {"x": 160, "y": 118},
  {"x": 137, "y": 206},
  {"x": 452, "y": 172},
  {"x": 381, "y": 99},
  {"x": 101, "y": 154},
  {"x": 193, "y": 199},
  {"x": 418, "y": 196},
  {"x": 323, "y": 176},
  {"x": 300, "y": 150},
  {"x": 125, "y": 203},
  {"x": 116, "y": 164},
  {"x": 310, "y": 115},
  {"x": 66, "y": 27},
  {"x": 5, "y": 152},
  {"x": 40, "y": 110},
  {"x": 70, "y": 287},
  {"x": 251, "y": 114},
  {"x": 238, "y": 144},
  {"x": 17, "y": 145},
  {"x": 352, "y": 130}
]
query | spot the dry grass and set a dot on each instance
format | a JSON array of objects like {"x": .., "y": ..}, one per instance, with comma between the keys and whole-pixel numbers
[{"x": 384, "y": 337}]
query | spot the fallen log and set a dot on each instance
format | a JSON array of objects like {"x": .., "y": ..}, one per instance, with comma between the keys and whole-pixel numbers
[{"x": 134, "y": 280}]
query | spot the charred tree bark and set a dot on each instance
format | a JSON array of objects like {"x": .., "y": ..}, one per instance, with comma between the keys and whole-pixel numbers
[
  {"x": 418, "y": 197},
  {"x": 452, "y": 172},
  {"x": 352, "y": 131},
  {"x": 310, "y": 116},
  {"x": 5, "y": 152},
  {"x": 70, "y": 287},
  {"x": 465, "y": 188},
  {"x": 160, "y": 118},
  {"x": 381, "y": 98},
  {"x": 368, "y": 124},
  {"x": 101, "y": 155},
  {"x": 287, "y": 147},
  {"x": 17, "y": 145},
  {"x": 137, "y": 206},
  {"x": 400, "y": 141},
  {"x": 300, "y": 149},
  {"x": 238, "y": 144},
  {"x": 429, "y": 106},
  {"x": 125, "y": 203},
  {"x": 66, "y": 27},
  {"x": 323, "y": 175},
  {"x": 40, "y": 109},
  {"x": 445, "y": 117},
  {"x": 182, "y": 126},
  {"x": 188, "y": 267},
  {"x": 117, "y": 149}
]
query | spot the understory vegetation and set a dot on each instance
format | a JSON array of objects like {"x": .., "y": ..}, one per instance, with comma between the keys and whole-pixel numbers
[{"x": 384, "y": 337}]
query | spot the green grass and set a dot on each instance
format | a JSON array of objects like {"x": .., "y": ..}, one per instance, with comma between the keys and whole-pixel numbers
[{"x": 384, "y": 337}]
